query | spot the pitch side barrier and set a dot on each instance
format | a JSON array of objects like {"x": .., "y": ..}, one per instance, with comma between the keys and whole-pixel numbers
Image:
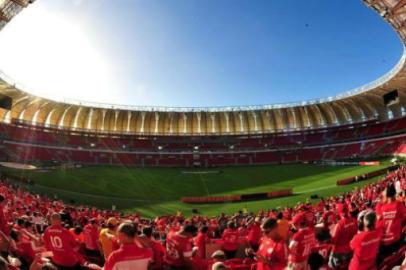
[
  {"x": 366, "y": 176},
  {"x": 238, "y": 198}
]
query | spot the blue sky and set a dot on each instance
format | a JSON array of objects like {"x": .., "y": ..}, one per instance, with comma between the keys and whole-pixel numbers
[{"x": 197, "y": 52}]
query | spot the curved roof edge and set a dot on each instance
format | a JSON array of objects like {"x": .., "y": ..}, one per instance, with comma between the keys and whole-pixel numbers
[
  {"x": 358, "y": 105},
  {"x": 356, "y": 91}
]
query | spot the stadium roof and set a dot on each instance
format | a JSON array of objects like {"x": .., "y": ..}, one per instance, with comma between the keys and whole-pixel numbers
[{"x": 358, "y": 105}]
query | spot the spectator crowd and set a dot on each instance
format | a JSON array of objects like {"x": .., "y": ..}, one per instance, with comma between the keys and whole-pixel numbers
[{"x": 359, "y": 230}]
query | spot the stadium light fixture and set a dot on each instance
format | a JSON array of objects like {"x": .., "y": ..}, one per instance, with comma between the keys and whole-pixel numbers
[{"x": 160, "y": 147}]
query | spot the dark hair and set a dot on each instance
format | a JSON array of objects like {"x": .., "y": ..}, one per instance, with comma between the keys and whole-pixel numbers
[
  {"x": 78, "y": 230},
  {"x": 14, "y": 235},
  {"x": 20, "y": 221},
  {"x": 315, "y": 261},
  {"x": 204, "y": 229},
  {"x": 231, "y": 225},
  {"x": 2, "y": 198},
  {"x": 147, "y": 231},
  {"x": 390, "y": 191},
  {"x": 128, "y": 229},
  {"x": 279, "y": 215},
  {"x": 369, "y": 220},
  {"x": 323, "y": 234},
  {"x": 190, "y": 229},
  {"x": 269, "y": 223}
]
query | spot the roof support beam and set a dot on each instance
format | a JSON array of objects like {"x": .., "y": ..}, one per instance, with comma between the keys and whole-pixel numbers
[
  {"x": 19, "y": 2},
  {"x": 398, "y": 6},
  {"x": 3, "y": 17}
]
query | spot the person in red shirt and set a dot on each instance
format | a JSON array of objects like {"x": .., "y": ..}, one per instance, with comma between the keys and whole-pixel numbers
[
  {"x": 200, "y": 242},
  {"x": 130, "y": 255},
  {"x": 365, "y": 244},
  {"x": 272, "y": 252},
  {"x": 179, "y": 247},
  {"x": 91, "y": 240},
  {"x": 301, "y": 244},
  {"x": 391, "y": 215},
  {"x": 342, "y": 234},
  {"x": 3, "y": 221},
  {"x": 254, "y": 234},
  {"x": 156, "y": 247},
  {"x": 329, "y": 218},
  {"x": 230, "y": 240},
  {"x": 62, "y": 244}
]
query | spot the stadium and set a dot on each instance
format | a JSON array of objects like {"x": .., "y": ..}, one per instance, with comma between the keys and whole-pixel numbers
[{"x": 171, "y": 170}]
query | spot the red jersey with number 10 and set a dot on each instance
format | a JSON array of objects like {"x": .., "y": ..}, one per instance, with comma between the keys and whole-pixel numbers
[
  {"x": 61, "y": 242},
  {"x": 301, "y": 245},
  {"x": 274, "y": 252}
]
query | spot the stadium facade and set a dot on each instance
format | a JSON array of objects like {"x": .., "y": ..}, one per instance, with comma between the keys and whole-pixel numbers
[{"x": 357, "y": 123}]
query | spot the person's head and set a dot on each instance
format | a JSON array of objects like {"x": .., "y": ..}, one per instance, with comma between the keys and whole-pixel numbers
[
  {"x": 369, "y": 220},
  {"x": 189, "y": 230},
  {"x": 218, "y": 266},
  {"x": 147, "y": 231},
  {"x": 360, "y": 220},
  {"x": 269, "y": 228},
  {"x": 218, "y": 256},
  {"x": 94, "y": 222},
  {"x": 56, "y": 219},
  {"x": 2, "y": 200},
  {"x": 126, "y": 232},
  {"x": 112, "y": 224},
  {"x": 231, "y": 225},
  {"x": 322, "y": 235},
  {"x": 15, "y": 235},
  {"x": 20, "y": 222},
  {"x": 78, "y": 230},
  {"x": 299, "y": 221},
  {"x": 27, "y": 224},
  {"x": 204, "y": 229},
  {"x": 390, "y": 192},
  {"x": 315, "y": 261},
  {"x": 48, "y": 266}
]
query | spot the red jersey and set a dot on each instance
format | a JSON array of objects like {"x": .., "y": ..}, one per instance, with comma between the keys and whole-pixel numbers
[
  {"x": 329, "y": 218},
  {"x": 3, "y": 222},
  {"x": 91, "y": 237},
  {"x": 177, "y": 248},
  {"x": 392, "y": 214},
  {"x": 274, "y": 252},
  {"x": 301, "y": 245},
  {"x": 129, "y": 257},
  {"x": 158, "y": 251},
  {"x": 342, "y": 234},
  {"x": 230, "y": 239},
  {"x": 200, "y": 243},
  {"x": 254, "y": 234},
  {"x": 310, "y": 218},
  {"x": 62, "y": 244},
  {"x": 323, "y": 250},
  {"x": 365, "y": 246}
]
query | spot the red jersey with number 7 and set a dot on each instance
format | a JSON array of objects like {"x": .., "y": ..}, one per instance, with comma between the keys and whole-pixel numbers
[{"x": 392, "y": 214}]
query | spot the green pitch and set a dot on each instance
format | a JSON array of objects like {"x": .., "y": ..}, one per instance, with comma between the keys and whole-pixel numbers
[{"x": 157, "y": 191}]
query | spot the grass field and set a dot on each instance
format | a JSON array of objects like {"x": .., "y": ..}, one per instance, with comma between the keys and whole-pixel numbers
[{"x": 157, "y": 191}]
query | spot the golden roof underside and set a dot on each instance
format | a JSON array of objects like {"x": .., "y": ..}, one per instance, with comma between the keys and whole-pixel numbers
[{"x": 362, "y": 104}]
